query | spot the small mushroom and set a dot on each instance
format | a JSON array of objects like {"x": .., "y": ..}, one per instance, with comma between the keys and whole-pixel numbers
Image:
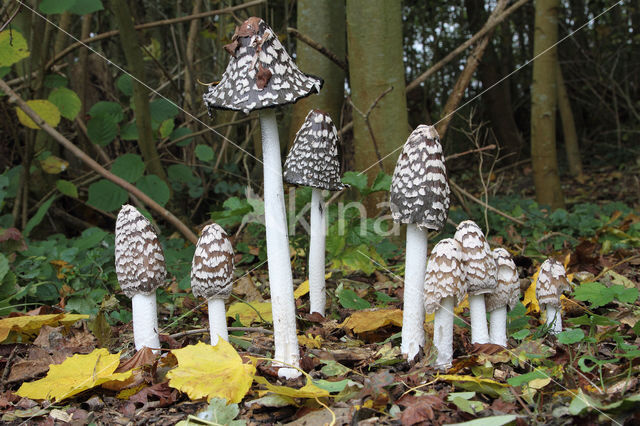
[
  {"x": 261, "y": 75},
  {"x": 313, "y": 161},
  {"x": 480, "y": 272},
  {"x": 140, "y": 269},
  {"x": 444, "y": 288},
  {"x": 552, "y": 281},
  {"x": 507, "y": 293},
  {"x": 211, "y": 274},
  {"x": 419, "y": 198}
]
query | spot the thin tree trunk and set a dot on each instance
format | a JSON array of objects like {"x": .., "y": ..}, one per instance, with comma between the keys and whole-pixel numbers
[
  {"x": 543, "y": 106},
  {"x": 568, "y": 125}
]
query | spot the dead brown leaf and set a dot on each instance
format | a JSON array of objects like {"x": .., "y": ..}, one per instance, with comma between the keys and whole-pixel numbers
[
  {"x": 419, "y": 408},
  {"x": 161, "y": 392}
]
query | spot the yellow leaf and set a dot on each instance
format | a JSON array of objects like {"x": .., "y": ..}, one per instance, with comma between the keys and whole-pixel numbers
[
  {"x": 45, "y": 109},
  {"x": 478, "y": 380},
  {"x": 303, "y": 288},
  {"x": 212, "y": 372},
  {"x": 309, "y": 390},
  {"x": 13, "y": 47},
  {"x": 248, "y": 314},
  {"x": 311, "y": 342},
  {"x": 539, "y": 383},
  {"x": 530, "y": 300},
  {"x": 363, "y": 321},
  {"x": 54, "y": 165},
  {"x": 76, "y": 374},
  {"x": 30, "y": 324}
]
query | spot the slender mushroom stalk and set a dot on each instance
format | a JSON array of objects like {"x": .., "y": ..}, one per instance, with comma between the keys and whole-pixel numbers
[
  {"x": 444, "y": 287},
  {"x": 419, "y": 198},
  {"x": 313, "y": 161},
  {"x": 211, "y": 274},
  {"x": 507, "y": 293},
  {"x": 140, "y": 269},
  {"x": 480, "y": 272},
  {"x": 260, "y": 75},
  {"x": 552, "y": 281}
]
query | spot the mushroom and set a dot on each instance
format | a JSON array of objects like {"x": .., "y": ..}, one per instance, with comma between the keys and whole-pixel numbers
[
  {"x": 259, "y": 76},
  {"x": 419, "y": 198},
  {"x": 211, "y": 273},
  {"x": 480, "y": 272},
  {"x": 313, "y": 161},
  {"x": 140, "y": 269},
  {"x": 444, "y": 288},
  {"x": 552, "y": 281},
  {"x": 507, "y": 293}
]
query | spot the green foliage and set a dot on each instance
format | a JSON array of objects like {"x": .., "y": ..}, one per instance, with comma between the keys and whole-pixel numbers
[
  {"x": 102, "y": 130},
  {"x": 54, "y": 81},
  {"x": 155, "y": 188},
  {"x": 129, "y": 167},
  {"x": 37, "y": 218},
  {"x": 124, "y": 83},
  {"x": 204, "y": 153},
  {"x": 106, "y": 195},
  {"x": 78, "y": 7},
  {"x": 104, "y": 108},
  {"x": 598, "y": 294},
  {"x": 67, "y": 102},
  {"x": 13, "y": 47},
  {"x": 569, "y": 337},
  {"x": 350, "y": 300}
]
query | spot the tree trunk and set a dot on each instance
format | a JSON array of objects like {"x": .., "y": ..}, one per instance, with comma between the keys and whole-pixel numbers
[
  {"x": 543, "y": 106},
  {"x": 376, "y": 67},
  {"x": 324, "y": 22},
  {"x": 133, "y": 54},
  {"x": 568, "y": 126}
]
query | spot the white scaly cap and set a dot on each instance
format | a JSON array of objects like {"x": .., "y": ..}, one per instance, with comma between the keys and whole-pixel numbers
[
  {"x": 212, "y": 267},
  {"x": 479, "y": 264},
  {"x": 445, "y": 275},
  {"x": 552, "y": 281},
  {"x": 507, "y": 291}
]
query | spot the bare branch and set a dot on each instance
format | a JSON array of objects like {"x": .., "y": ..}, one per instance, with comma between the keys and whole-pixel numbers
[{"x": 319, "y": 47}]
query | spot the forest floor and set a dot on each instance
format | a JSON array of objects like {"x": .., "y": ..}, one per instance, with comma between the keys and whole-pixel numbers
[{"x": 356, "y": 374}]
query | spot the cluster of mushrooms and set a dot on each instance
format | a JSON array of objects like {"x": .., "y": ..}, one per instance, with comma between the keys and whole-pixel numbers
[{"x": 261, "y": 76}]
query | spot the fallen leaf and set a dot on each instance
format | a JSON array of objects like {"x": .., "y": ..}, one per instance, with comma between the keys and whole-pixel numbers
[
  {"x": 143, "y": 357},
  {"x": 246, "y": 288},
  {"x": 530, "y": 300},
  {"x": 29, "y": 324},
  {"x": 364, "y": 321},
  {"x": 212, "y": 372},
  {"x": 309, "y": 390},
  {"x": 476, "y": 384},
  {"x": 419, "y": 408},
  {"x": 247, "y": 312},
  {"x": 311, "y": 342},
  {"x": 165, "y": 395},
  {"x": 303, "y": 288}
]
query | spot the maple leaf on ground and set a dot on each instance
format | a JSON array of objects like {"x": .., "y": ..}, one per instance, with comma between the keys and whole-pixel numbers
[
  {"x": 165, "y": 395},
  {"x": 30, "y": 324},
  {"x": 135, "y": 364},
  {"x": 419, "y": 408}
]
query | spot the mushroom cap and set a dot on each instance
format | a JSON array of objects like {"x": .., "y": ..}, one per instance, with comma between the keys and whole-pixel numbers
[
  {"x": 139, "y": 259},
  {"x": 313, "y": 158},
  {"x": 552, "y": 281},
  {"x": 212, "y": 266},
  {"x": 260, "y": 74},
  {"x": 479, "y": 264},
  {"x": 507, "y": 290},
  {"x": 419, "y": 187},
  {"x": 444, "y": 276}
]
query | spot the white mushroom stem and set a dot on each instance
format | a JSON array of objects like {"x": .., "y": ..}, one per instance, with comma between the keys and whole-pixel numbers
[
  {"x": 478, "y": 314},
  {"x": 217, "y": 321},
  {"x": 145, "y": 321},
  {"x": 554, "y": 319},
  {"x": 498, "y": 326},
  {"x": 443, "y": 333},
  {"x": 280, "y": 278},
  {"x": 317, "y": 293},
  {"x": 413, "y": 308}
]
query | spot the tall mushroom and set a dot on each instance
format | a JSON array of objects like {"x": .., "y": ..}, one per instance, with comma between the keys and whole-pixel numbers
[
  {"x": 211, "y": 274},
  {"x": 313, "y": 161},
  {"x": 507, "y": 293},
  {"x": 480, "y": 272},
  {"x": 552, "y": 282},
  {"x": 261, "y": 75},
  {"x": 140, "y": 269},
  {"x": 444, "y": 288},
  {"x": 419, "y": 198}
]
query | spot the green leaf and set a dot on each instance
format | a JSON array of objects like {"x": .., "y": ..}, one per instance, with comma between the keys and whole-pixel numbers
[
  {"x": 13, "y": 47},
  {"x": 624, "y": 294},
  {"x": 463, "y": 401},
  {"x": 155, "y": 188},
  {"x": 332, "y": 386},
  {"x": 569, "y": 337},
  {"x": 129, "y": 131},
  {"x": 67, "y": 188},
  {"x": 112, "y": 109},
  {"x": 54, "y": 81},
  {"x": 181, "y": 132},
  {"x": 129, "y": 167},
  {"x": 594, "y": 293},
  {"x": 526, "y": 378},
  {"x": 166, "y": 127},
  {"x": 125, "y": 84},
  {"x": 83, "y": 7},
  {"x": 4, "y": 266},
  {"x": 37, "y": 218},
  {"x": 162, "y": 109},
  {"x": 106, "y": 195},
  {"x": 219, "y": 413},
  {"x": 489, "y": 421},
  {"x": 204, "y": 153},
  {"x": 67, "y": 102},
  {"x": 55, "y": 6},
  {"x": 356, "y": 180},
  {"x": 181, "y": 174},
  {"x": 102, "y": 130},
  {"x": 381, "y": 183},
  {"x": 350, "y": 300}
]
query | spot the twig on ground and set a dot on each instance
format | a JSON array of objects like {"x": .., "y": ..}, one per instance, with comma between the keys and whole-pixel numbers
[
  {"x": 609, "y": 268},
  {"x": 7, "y": 368}
]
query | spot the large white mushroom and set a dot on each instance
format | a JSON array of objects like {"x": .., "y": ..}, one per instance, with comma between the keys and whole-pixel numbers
[
  {"x": 261, "y": 75},
  {"x": 507, "y": 293},
  {"x": 141, "y": 270},
  {"x": 419, "y": 198},
  {"x": 552, "y": 282},
  {"x": 313, "y": 161}
]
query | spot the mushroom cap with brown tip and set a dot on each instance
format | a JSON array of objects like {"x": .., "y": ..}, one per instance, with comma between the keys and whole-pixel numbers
[
  {"x": 260, "y": 74},
  {"x": 212, "y": 266},
  {"x": 552, "y": 281},
  {"x": 140, "y": 263},
  {"x": 313, "y": 159},
  {"x": 507, "y": 292},
  {"x": 479, "y": 264},
  {"x": 444, "y": 276},
  {"x": 419, "y": 187}
]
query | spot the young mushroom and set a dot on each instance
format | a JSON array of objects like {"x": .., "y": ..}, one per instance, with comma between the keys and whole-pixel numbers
[
  {"x": 444, "y": 288},
  {"x": 507, "y": 293},
  {"x": 480, "y": 272},
  {"x": 260, "y": 76},
  {"x": 140, "y": 269},
  {"x": 419, "y": 198},
  {"x": 313, "y": 161},
  {"x": 552, "y": 281},
  {"x": 211, "y": 274}
]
